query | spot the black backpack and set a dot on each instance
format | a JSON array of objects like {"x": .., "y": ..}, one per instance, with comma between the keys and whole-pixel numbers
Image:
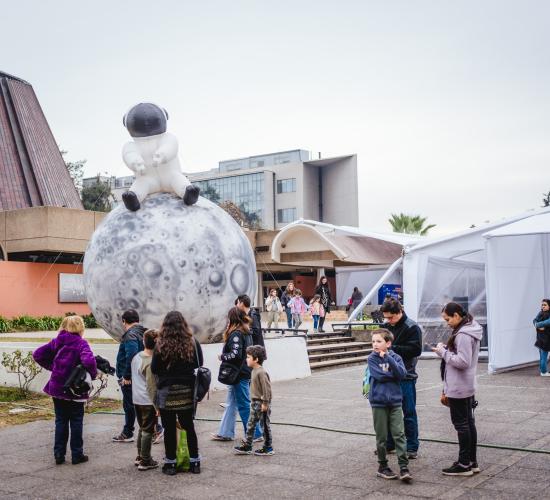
[
  {"x": 203, "y": 377},
  {"x": 77, "y": 385}
]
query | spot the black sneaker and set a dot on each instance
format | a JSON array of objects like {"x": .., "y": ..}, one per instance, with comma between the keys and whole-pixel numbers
[
  {"x": 80, "y": 460},
  {"x": 148, "y": 464},
  {"x": 385, "y": 472},
  {"x": 59, "y": 460},
  {"x": 264, "y": 452},
  {"x": 458, "y": 470},
  {"x": 123, "y": 438},
  {"x": 137, "y": 461},
  {"x": 475, "y": 468},
  {"x": 412, "y": 455},
  {"x": 405, "y": 475},
  {"x": 169, "y": 469},
  {"x": 244, "y": 449}
]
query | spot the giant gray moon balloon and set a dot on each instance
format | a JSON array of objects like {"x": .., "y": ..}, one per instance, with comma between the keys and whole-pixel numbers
[{"x": 168, "y": 256}]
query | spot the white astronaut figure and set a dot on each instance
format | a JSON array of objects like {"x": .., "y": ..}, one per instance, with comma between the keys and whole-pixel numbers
[{"x": 153, "y": 156}]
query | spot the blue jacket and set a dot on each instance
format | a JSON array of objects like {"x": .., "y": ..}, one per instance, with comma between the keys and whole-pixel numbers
[
  {"x": 130, "y": 344},
  {"x": 385, "y": 375}
]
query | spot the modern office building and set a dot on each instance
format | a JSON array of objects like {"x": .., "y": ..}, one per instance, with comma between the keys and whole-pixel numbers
[{"x": 32, "y": 170}]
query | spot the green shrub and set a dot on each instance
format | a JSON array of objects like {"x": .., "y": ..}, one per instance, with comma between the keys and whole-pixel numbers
[
  {"x": 89, "y": 321},
  {"x": 24, "y": 366},
  {"x": 5, "y": 325}
]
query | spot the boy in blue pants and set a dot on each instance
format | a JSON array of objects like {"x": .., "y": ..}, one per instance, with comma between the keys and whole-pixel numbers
[{"x": 386, "y": 370}]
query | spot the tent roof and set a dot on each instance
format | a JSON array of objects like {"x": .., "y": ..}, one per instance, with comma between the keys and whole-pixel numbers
[{"x": 536, "y": 224}]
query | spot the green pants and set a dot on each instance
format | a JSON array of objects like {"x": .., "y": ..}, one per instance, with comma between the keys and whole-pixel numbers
[{"x": 390, "y": 419}]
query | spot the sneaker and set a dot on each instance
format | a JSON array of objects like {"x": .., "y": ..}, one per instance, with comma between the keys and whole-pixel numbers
[
  {"x": 223, "y": 405},
  {"x": 123, "y": 438},
  {"x": 244, "y": 449},
  {"x": 547, "y": 374},
  {"x": 137, "y": 461},
  {"x": 264, "y": 452},
  {"x": 158, "y": 437},
  {"x": 80, "y": 460},
  {"x": 458, "y": 470},
  {"x": 412, "y": 455},
  {"x": 169, "y": 469},
  {"x": 258, "y": 439},
  {"x": 475, "y": 468},
  {"x": 148, "y": 464},
  {"x": 405, "y": 475},
  {"x": 217, "y": 437},
  {"x": 385, "y": 472},
  {"x": 59, "y": 460}
]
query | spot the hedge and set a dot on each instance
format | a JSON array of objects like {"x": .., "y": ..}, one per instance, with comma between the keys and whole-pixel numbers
[{"x": 43, "y": 323}]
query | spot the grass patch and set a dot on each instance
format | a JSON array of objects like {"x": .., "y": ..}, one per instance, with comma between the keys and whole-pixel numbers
[{"x": 39, "y": 406}]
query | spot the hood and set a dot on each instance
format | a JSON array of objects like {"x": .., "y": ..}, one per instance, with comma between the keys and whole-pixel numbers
[
  {"x": 473, "y": 329},
  {"x": 67, "y": 338}
]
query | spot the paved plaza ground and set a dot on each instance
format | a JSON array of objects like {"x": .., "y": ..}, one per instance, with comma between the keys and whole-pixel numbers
[{"x": 514, "y": 410}]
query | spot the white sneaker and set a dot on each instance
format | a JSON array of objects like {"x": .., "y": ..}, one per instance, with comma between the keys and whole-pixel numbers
[{"x": 547, "y": 374}]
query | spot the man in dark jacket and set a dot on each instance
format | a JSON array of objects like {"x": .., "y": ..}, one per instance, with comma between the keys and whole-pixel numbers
[
  {"x": 130, "y": 344},
  {"x": 243, "y": 302},
  {"x": 408, "y": 344}
]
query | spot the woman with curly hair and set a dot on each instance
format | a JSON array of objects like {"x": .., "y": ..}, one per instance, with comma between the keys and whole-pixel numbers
[
  {"x": 236, "y": 339},
  {"x": 177, "y": 355}
]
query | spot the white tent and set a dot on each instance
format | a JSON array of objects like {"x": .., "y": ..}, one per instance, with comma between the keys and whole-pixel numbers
[{"x": 517, "y": 277}]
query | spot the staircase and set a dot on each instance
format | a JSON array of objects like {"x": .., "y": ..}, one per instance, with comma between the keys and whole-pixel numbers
[{"x": 335, "y": 349}]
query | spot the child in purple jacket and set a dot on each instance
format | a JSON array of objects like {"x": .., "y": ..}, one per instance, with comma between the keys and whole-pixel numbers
[{"x": 61, "y": 356}]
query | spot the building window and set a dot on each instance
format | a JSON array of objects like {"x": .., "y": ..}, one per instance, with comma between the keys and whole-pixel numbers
[
  {"x": 256, "y": 163},
  {"x": 285, "y": 215},
  {"x": 286, "y": 186},
  {"x": 279, "y": 160}
]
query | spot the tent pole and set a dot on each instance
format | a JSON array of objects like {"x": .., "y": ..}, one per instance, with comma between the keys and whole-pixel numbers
[{"x": 374, "y": 289}]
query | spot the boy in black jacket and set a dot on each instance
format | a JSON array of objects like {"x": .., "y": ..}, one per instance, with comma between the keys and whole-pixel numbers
[
  {"x": 408, "y": 344},
  {"x": 386, "y": 370}
]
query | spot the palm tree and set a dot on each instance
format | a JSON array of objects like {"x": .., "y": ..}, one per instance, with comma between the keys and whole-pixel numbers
[{"x": 409, "y": 224}]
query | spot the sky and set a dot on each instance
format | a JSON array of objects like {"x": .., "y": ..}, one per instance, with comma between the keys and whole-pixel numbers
[{"x": 445, "y": 102}]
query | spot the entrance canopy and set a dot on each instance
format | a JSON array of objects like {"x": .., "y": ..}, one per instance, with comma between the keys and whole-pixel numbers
[{"x": 517, "y": 278}]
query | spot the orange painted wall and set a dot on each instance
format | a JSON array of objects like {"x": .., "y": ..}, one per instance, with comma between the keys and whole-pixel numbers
[{"x": 33, "y": 289}]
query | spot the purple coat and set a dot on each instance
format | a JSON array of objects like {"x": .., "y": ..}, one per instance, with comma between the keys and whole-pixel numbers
[{"x": 60, "y": 356}]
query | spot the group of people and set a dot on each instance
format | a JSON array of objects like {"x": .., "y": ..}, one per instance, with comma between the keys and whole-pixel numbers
[
  {"x": 391, "y": 380},
  {"x": 156, "y": 370},
  {"x": 294, "y": 305}
]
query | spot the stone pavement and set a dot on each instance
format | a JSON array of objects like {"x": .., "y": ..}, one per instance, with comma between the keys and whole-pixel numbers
[{"x": 514, "y": 410}]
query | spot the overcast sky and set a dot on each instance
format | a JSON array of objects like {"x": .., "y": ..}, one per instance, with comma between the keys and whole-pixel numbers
[{"x": 445, "y": 102}]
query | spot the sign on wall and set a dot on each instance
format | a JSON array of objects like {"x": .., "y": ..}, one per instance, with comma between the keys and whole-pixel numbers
[{"x": 71, "y": 288}]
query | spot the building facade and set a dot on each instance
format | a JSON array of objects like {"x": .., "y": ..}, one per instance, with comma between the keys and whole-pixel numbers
[{"x": 277, "y": 188}]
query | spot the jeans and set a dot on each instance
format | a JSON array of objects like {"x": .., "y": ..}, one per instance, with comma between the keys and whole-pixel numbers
[
  {"x": 238, "y": 399},
  {"x": 296, "y": 320},
  {"x": 408, "y": 389},
  {"x": 462, "y": 417},
  {"x": 147, "y": 418},
  {"x": 185, "y": 418},
  {"x": 68, "y": 414},
  {"x": 288, "y": 317},
  {"x": 129, "y": 411},
  {"x": 390, "y": 420},
  {"x": 543, "y": 365},
  {"x": 257, "y": 415},
  {"x": 315, "y": 321}
]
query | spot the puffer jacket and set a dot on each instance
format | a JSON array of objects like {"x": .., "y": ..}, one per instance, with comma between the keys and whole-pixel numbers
[
  {"x": 130, "y": 344},
  {"x": 459, "y": 379},
  {"x": 385, "y": 375},
  {"x": 61, "y": 356}
]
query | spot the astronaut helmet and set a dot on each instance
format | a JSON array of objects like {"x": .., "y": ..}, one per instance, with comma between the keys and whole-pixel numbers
[{"x": 145, "y": 119}]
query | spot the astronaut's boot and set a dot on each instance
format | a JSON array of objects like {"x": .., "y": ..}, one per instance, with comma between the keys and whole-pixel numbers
[
  {"x": 191, "y": 194},
  {"x": 131, "y": 201}
]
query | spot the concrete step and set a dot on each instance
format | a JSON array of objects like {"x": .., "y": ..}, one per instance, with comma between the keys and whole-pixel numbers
[
  {"x": 337, "y": 362},
  {"x": 329, "y": 334},
  {"x": 333, "y": 339},
  {"x": 338, "y": 355},
  {"x": 338, "y": 347}
]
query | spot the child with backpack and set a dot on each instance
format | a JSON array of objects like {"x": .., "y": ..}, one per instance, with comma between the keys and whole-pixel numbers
[{"x": 61, "y": 356}]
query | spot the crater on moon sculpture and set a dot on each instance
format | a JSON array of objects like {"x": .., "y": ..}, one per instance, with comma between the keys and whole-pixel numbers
[{"x": 168, "y": 256}]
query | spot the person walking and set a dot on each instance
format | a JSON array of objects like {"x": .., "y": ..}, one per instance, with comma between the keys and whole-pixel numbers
[
  {"x": 356, "y": 298},
  {"x": 298, "y": 307},
  {"x": 285, "y": 299},
  {"x": 61, "y": 356},
  {"x": 326, "y": 299},
  {"x": 408, "y": 344},
  {"x": 317, "y": 311},
  {"x": 130, "y": 344},
  {"x": 458, "y": 369},
  {"x": 542, "y": 325},
  {"x": 236, "y": 339},
  {"x": 176, "y": 357},
  {"x": 273, "y": 307}
]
